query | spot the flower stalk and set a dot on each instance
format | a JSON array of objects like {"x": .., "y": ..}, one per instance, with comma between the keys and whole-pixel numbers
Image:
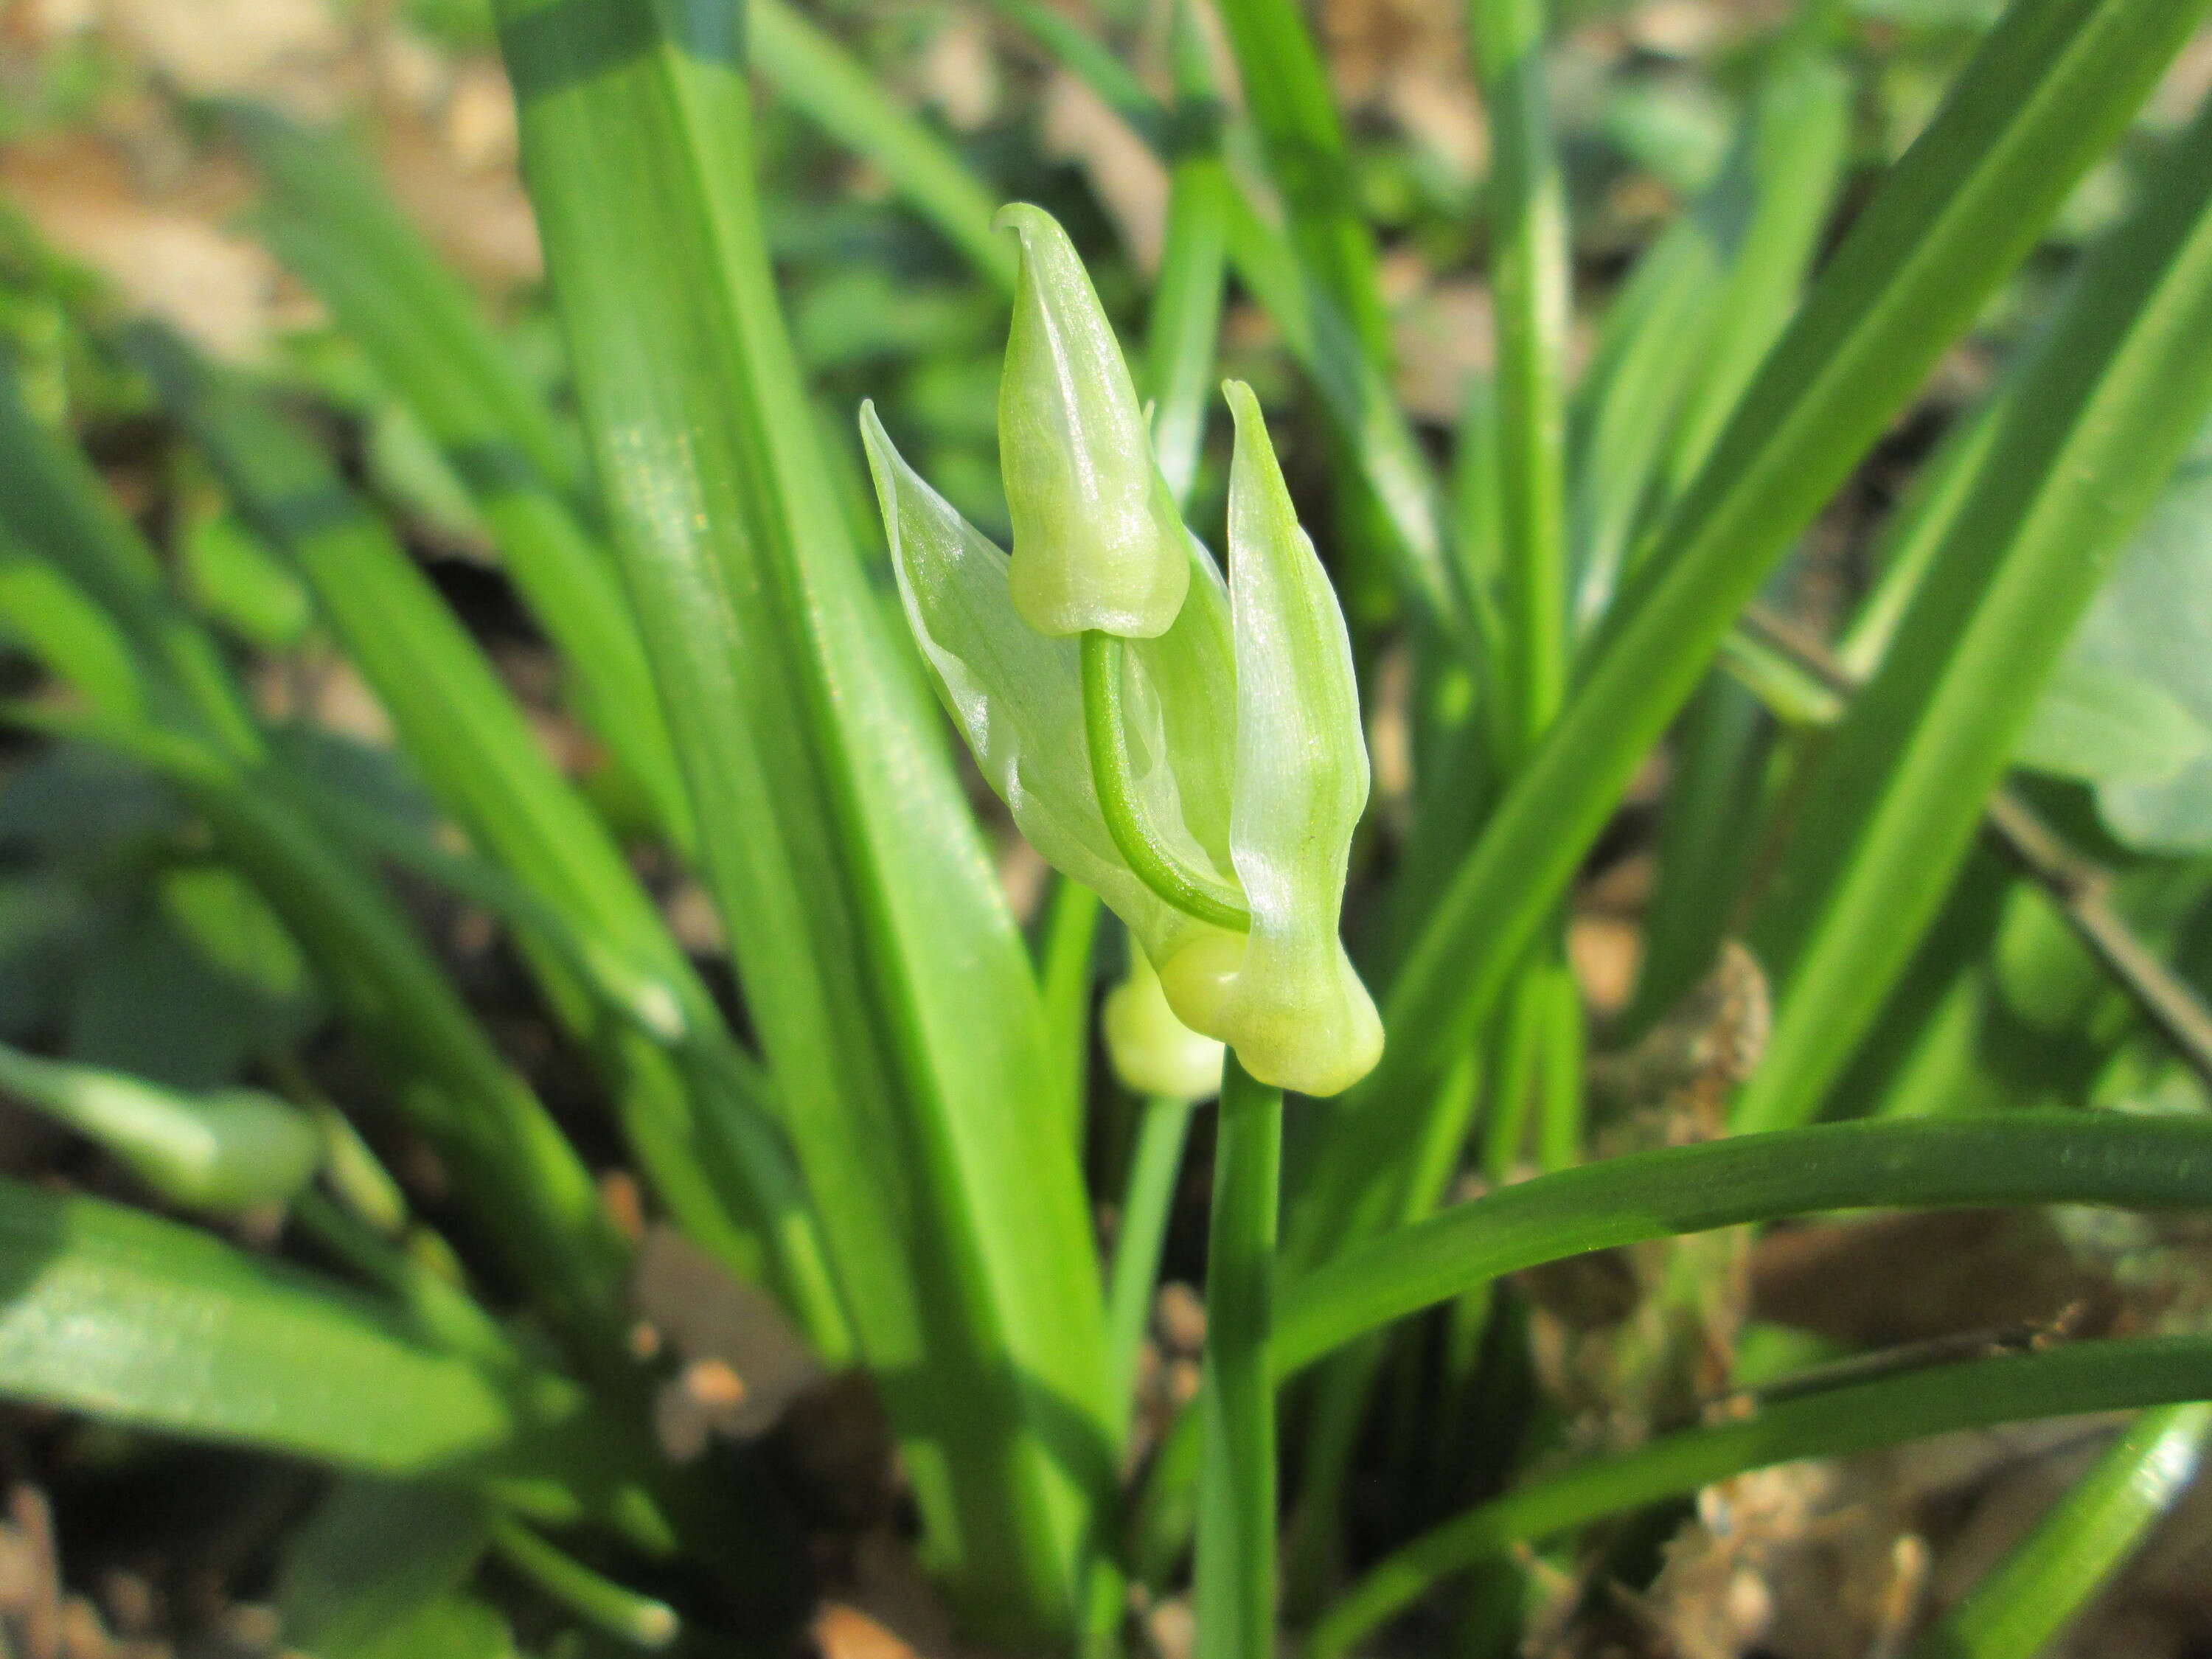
[{"x": 1235, "y": 1552}]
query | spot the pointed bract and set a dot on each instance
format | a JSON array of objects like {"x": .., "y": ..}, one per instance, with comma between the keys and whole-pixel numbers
[
  {"x": 1017, "y": 695},
  {"x": 1097, "y": 541},
  {"x": 1295, "y": 1011}
]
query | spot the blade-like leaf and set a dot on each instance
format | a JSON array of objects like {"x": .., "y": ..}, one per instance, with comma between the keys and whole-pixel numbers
[
  {"x": 108, "y": 1311},
  {"x": 2092, "y": 1377},
  {"x": 1530, "y": 308},
  {"x": 372, "y": 1554},
  {"x": 1687, "y": 329},
  {"x": 2085, "y": 442},
  {"x": 2017, "y": 1159},
  {"x": 1362, "y": 406},
  {"x": 532, "y": 1192},
  {"x": 1186, "y": 310},
  {"x": 2049, "y": 88},
  {"x": 1287, "y": 90},
  {"x": 821, "y": 80},
  {"x": 2053, "y": 1573},
  {"x": 878, "y": 962},
  {"x": 702, "y": 1128},
  {"x": 327, "y": 219},
  {"x": 2151, "y": 1164},
  {"x": 58, "y": 513}
]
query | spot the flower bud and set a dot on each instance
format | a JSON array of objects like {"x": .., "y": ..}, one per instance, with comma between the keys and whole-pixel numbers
[
  {"x": 1294, "y": 1009},
  {"x": 221, "y": 1149},
  {"x": 1247, "y": 762},
  {"x": 1154, "y": 1052},
  {"x": 1097, "y": 541}
]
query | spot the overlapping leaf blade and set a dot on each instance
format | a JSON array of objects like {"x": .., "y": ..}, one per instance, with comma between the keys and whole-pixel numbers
[
  {"x": 891, "y": 992},
  {"x": 700, "y": 1115},
  {"x": 145, "y": 1321},
  {"x": 530, "y": 1189},
  {"x": 2084, "y": 443},
  {"x": 2052, "y": 85}
]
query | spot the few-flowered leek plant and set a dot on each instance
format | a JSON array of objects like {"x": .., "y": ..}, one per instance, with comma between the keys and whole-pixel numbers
[
  {"x": 1190, "y": 749},
  {"x": 668, "y": 697}
]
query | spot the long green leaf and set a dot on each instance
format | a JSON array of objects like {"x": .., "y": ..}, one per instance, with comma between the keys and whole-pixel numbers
[
  {"x": 878, "y": 962},
  {"x": 61, "y": 514},
  {"x": 1186, "y": 316},
  {"x": 1186, "y": 310},
  {"x": 2051, "y": 88},
  {"x": 326, "y": 217},
  {"x": 1287, "y": 90},
  {"x": 2084, "y": 443},
  {"x": 1687, "y": 329},
  {"x": 370, "y": 1556},
  {"x": 108, "y": 1311},
  {"x": 2013, "y": 1158},
  {"x": 821, "y": 79},
  {"x": 532, "y": 1192},
  {"x": 1362, "y": 406},
  {"x": 1797, "y": 144},
  {"x": 527, "y": 1191},
  {"x": 1530, "y": 307},
  {"x": 2093, "y": 1376},
  {"x": 1708, "y": 833},
  {"x": 702, "y": 1128}
]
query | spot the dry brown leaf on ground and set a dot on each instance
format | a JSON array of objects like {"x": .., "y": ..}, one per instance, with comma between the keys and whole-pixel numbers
[
  {"x": 291, "y": 53},
  {"x": 169, "y": 255},
  {"x": 1406, "y": 60}
]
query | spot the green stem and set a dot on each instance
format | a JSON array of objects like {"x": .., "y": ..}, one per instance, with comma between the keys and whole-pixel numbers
[
  {"x": 1515, "y": 1054},
  {"x": 1145, "y": 1206},
  {"x": 1338, "y": 1409},
  {"x": 2032, "y": 1594},
  {"x": 1155, "y": 863},
  {"x": 1186, "y": 311},
  {"x": 600, "y": 1603},
  {"x": 1236, "y": 1564},
  {"x": 442, "y": 1310},
  {"x": 1528, "y": 268},
  {"x": 1558, "y": 1064},
  {"x": 1070, "y": 929}
]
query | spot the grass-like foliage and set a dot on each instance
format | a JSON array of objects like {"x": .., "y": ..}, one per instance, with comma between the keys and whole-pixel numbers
[{"x": 1939, "y": 840}]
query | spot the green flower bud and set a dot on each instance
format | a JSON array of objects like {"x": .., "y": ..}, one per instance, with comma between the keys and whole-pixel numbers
[
  {"x": 1246, "y": 761},
  {"x": 1097, "y": 541},
  {"x": 221, "y": 1149},
  {"x": 1152, "y": 1051}
]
